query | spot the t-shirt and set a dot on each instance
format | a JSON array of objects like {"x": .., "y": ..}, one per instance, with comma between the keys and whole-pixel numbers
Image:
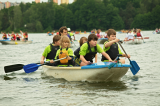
[
  {"x": 107, "y": 48},
  {"x": 130, "y": 36},
  {"x": 70, "y": 52},
  {"x": 84, "y": 49}
]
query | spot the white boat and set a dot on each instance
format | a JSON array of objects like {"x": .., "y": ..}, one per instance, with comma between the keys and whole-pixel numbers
[
  {"x": 135, "y": 41},
  {"x": 102, "y": 40},
  {"x": 96, "y": 72},
  {"x": 9, "y": 42}
]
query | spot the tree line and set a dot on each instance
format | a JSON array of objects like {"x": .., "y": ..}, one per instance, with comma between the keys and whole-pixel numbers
[{"x": 83, "y": 15}]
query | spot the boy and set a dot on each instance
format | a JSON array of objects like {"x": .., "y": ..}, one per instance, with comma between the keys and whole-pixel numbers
[
  {"x": 50, "y": 51},
  {"x": 112, "y": 48},
  {"x": 63, "y": 31},
  {"x": 89, "y": 50}
]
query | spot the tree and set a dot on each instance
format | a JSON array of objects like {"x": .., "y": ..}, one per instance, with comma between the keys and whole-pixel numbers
[{"x": 17, "y": 17}]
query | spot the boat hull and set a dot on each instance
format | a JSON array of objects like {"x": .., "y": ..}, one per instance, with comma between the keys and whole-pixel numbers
[
  {"x": 8, "y": 42},
  {"x": 86, "y": 74}
]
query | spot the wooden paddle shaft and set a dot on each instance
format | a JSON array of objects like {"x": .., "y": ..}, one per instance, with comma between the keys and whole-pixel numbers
[{"x": 124, "y": 50}]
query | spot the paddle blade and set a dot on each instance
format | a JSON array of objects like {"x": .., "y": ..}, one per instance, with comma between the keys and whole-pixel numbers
[
  {"x": 30, "y": 67},
  {"x": 12, "y": 68},
  {"x": 135, "y": 68}
]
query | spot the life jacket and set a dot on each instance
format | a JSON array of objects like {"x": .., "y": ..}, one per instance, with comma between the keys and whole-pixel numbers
[
  {"x": 76, "y": 52},
  {"x": 112, "y": 52},
  {"x": 138, "y": 34},
  {"x": 52, "y": 53},
  {"x": 4, "y": 36},
  {"x": 89, "y": 56},
  {"x": 98, "y": 35},
  {"x": 62, "y": 54}
]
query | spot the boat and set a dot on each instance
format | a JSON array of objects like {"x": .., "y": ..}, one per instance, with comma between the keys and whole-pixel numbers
[
  {"x": 9, "y": 42},
  {"x": 102, "y": 40},
  {"x": 135, "y": 41},
  {"x": 158, "y": 32},
  {"x": 97, "y": 72}
]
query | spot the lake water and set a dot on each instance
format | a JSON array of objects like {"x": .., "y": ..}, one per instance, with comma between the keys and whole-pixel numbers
[{"x": 36, "y": 89}]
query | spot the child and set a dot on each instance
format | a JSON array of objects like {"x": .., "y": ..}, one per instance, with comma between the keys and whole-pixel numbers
[
  {"x": 65, "y": 51},
  {"x": 129, "y": 36},
  {"x": 76, "y": 52},
  {"x": 50, "y": 51},
  {"x": 13, "y": 36},
  {"x": 112, "y": 48},
  {"x": 89, "y": 50},
  {"x": 18, "y": 37},
  {"x": 4, "y": 36}
]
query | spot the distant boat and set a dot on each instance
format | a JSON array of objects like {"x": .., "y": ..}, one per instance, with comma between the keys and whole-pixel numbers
[
  {"x": 102, "y": 40},
  {"x": 9, "y": 42}
]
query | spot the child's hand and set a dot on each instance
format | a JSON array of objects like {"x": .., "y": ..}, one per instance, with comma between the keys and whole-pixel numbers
[
  {"x": 110, "y": 60},
  {"x": 88, "y": 63},
  {"x": 128, "y": 55},
  {"x": 42, "y": 61},
  {"x": 51, "y": 61},
  {"x": 69, "y": 58},
  {"x": 116, "y": 40}
]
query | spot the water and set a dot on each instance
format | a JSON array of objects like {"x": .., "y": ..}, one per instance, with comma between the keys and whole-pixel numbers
[{"x": 36, "y": 89}]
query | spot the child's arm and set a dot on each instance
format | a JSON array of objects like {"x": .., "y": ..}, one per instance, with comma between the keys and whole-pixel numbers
[
  {"x": 96, "y": 58},
  {"x": 106, "y": 56},
  {"x": 108, "y": 44},
  {"x": 42, "y": 60},
  {"x": 84, "y": 60},
  {"x": 124, "y": 55}
]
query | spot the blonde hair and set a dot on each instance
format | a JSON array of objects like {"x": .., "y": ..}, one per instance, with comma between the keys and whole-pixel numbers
[{"x": 65, "y": 39}]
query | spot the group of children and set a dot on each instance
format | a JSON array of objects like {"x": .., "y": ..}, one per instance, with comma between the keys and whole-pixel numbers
[
  {"x": 131, "y": 35},
  {"x": 15, "y": 36},
  {"x": 83, "y": 55}
]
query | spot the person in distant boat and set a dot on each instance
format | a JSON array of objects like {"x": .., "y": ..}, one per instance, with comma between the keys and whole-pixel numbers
[
  {"x": 105, "y": 36},
  {"x": 129, "y": 36},
  {"x": 50, "y": 51},
  {"x": 89, "y": 50},
  {"x": 65, "y": 51},
  {"x": 63, "y": 31},
  {"x": 18, "y": 37},
  {"x": 139, "y": 34},
  {"x": 111, "y": 47},
  {"x": 13, "y": 36},
  {"x": 25, "y": 35},
  {"x": 98, "y": 33},
  {"x": 70, "y": 34},
  {"x": 4, "y": 36}
]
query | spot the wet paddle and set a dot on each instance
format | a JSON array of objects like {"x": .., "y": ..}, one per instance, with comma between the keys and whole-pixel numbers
[
  {"x": 135, "y": 68},
  {"x": 14, "y": 67},
  {"x": 33, "y": 67}
]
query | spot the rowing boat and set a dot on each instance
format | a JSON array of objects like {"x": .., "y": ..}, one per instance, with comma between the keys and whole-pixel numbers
[
  {"x": 96, "y": 72},
  {"x": 135, "y": 41},
  {"x": 9, "y": 42},
  {"x": 102, "y": 40}
]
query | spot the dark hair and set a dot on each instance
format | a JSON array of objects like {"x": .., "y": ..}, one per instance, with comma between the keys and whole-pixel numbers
[
  {"x": 61, "y": 29},
  {"x": 56, "y": 38},
  {"x": 92, "y": 37},
  {"x": 111, "y": 32},
  {"x": 81, "y": 40}
]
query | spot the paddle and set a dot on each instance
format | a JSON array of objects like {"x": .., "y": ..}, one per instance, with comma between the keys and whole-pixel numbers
[
  {"x": 114, "y": 62},
  {"x": 33, "y": 67},
  {"x": 14, "y": 67},
  {"x": 135, "y": 68}
]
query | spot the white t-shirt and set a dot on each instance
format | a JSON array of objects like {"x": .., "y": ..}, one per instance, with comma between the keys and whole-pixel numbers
[{"x": 130, "y": 36}]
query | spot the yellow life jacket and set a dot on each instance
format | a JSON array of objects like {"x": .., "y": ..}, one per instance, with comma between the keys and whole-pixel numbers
[{"x": 62, "y": 54}]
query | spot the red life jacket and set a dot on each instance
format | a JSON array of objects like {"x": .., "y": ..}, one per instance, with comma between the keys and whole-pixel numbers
[{"x": 138, "y": 34}]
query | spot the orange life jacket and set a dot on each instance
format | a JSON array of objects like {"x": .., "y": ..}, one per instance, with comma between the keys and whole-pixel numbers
[{"x": 62, "y": 54}]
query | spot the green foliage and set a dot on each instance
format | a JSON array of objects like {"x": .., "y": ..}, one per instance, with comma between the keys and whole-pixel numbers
[{"x": 82, "y": 15}]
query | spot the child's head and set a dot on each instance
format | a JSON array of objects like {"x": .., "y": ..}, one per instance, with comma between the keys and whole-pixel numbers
[
  {"x": 63, "y": 31},
  {"x": 111, "y": 33},
  {"x": 82, "y": 40},
  {"x": 56, "y": 39},
  {"x": 65, "y": 42},
  {"x": 92, "y": 39}
]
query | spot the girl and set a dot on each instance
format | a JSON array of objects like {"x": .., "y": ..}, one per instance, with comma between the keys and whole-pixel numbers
[{"x": 65, "y": 51}]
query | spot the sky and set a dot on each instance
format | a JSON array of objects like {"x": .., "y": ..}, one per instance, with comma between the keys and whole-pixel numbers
[{"x": 70, "y": 1}]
